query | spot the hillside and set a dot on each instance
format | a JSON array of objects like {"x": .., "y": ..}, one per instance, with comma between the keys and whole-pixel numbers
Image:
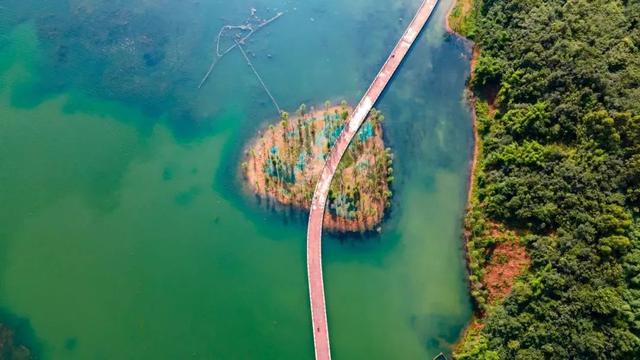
[{"x": 557, "y": 186}]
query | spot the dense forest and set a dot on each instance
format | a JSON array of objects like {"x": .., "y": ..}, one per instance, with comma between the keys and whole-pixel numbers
[{"x": 557, "y": 93}]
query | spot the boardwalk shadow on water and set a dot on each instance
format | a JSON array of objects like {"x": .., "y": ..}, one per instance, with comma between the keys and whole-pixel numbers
[{"x": 291, "y": 215}]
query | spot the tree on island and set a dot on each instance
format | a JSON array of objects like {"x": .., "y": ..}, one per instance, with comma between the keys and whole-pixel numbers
[{"x": 302, "y": 110}]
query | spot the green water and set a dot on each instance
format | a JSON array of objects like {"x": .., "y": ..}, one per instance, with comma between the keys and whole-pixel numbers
[{"x": 124, "y": 232}]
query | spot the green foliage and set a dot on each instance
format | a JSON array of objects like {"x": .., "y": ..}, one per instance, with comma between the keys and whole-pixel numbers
[
  {"x": 561, "y": 162},
  {"x": 488, "y": 71},
  {"x": 530, "y": 121},
  {"x": 475, "y": 347},
  {"x": 462, "y": 18},
  {"x": 530, "y": 153}
]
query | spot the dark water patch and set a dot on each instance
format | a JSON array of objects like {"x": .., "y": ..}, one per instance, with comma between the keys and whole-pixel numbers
[
  {"x": 18, "y": 339},
  {"x": 71, "y": 343},
  {"x": 436, "y": 331},
  {"x": 167, "y": 173},
  {"x": 110, "y": 50},
  {"x": 364, "y": 239},
  {"x": 147, "y": 56},
  {"x": 153, "y": 57}
]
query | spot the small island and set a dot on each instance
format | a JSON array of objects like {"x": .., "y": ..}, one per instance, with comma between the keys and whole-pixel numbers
[{"x": 285, "y": 160}]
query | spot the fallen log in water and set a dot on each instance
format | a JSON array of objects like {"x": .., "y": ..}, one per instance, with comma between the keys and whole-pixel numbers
[{"x": 246, "y": 26}]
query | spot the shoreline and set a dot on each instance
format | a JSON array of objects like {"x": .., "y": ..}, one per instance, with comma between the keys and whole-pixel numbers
[
  {"x": 470, "y": 100},
  {"x": 447, "y": 26}
]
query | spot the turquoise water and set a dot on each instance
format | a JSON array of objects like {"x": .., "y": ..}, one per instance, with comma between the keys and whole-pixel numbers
[{"x": 124, "y": 231}]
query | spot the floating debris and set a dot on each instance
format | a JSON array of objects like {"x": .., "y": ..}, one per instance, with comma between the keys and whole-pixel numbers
[
  {"x": 259, "y": 78},
  {"x": 250, "y": 27}
]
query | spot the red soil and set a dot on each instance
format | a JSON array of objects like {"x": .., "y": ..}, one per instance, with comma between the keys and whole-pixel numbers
[{"x": 508, "y": 260}]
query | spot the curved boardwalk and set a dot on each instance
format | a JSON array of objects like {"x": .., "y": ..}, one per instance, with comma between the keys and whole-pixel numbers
[{"x": 316, "y": 215}]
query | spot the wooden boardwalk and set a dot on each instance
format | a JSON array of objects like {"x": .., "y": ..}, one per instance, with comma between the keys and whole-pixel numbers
[{"x": 316, "y": 215}]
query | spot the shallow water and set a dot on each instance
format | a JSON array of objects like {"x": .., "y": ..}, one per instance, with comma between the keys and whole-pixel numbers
[{"x": 124, "y": 232}]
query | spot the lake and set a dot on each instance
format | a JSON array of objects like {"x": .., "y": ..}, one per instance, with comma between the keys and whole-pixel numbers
[{"x": 125, "y": 232}]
